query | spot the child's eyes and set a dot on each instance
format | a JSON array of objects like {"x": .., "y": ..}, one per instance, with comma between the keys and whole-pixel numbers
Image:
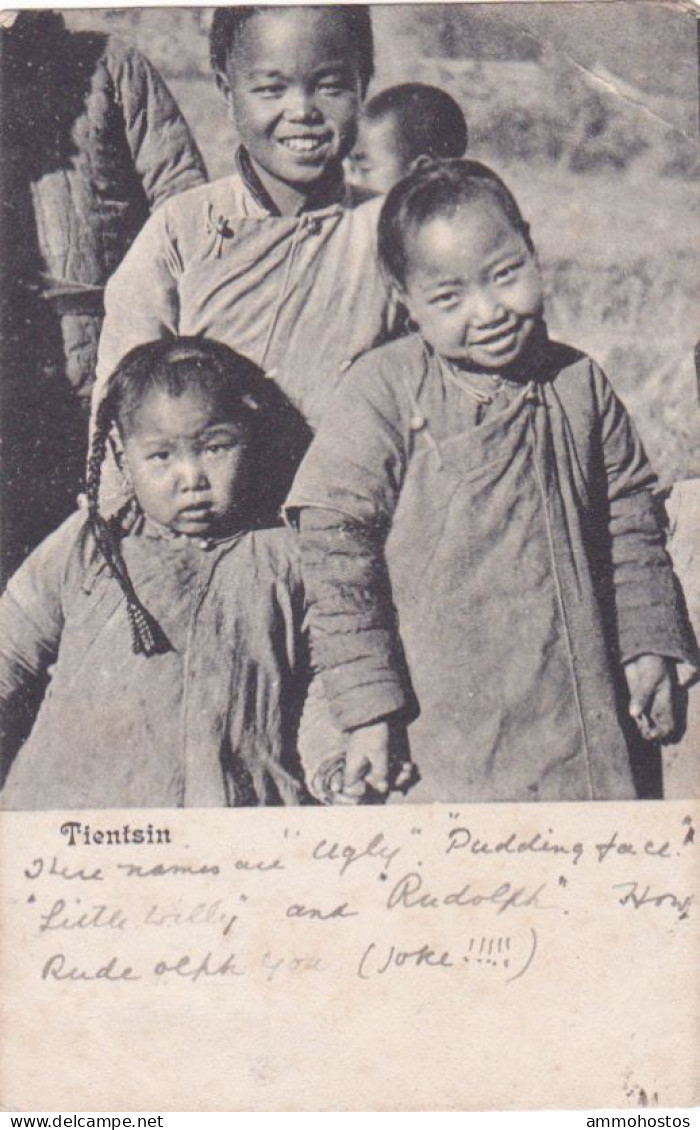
[
  {"x": 158, "y": 456},
  {"x": 505, "y": 274},
  {"x": 217, "y": 448},
  {"x": 331, "y": 86},
  {"x": 270, "y": 90},
  {"x": 446, "y": 300}
]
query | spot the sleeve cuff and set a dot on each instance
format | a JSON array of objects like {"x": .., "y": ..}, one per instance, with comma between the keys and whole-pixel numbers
[{"x": 362, "y": 705}]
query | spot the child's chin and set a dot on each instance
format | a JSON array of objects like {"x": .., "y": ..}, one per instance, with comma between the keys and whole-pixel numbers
[
  {"x": 191, "y": 527},
  {"x": 495, "y": 361},
  {"x": 205, "y": 531},
  {"x": 306, "y": 173},
  {"x": 191, "y": 531},
  {"x": 485, "y": 363}
]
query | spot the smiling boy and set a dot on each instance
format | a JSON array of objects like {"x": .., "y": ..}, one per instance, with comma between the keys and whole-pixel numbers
[
  {"x": 274, "y": 260},
  {"x": 294, "y": 85}
]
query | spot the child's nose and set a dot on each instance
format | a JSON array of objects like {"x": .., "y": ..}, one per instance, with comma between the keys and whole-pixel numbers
[
  {"x": 487, "y": 308},
  {"x": 192, "y": 474},
  {"x": 301, "y": 105}
]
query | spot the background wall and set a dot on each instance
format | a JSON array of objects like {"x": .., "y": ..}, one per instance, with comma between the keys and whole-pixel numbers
[{"x": 591, "y": 114}]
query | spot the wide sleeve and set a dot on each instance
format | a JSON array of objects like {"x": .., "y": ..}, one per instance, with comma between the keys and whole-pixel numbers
[
  {"x": 343, "y": 501},
  {"x": 164, "y": 153},
  {"x": 650, "y": 610},
  {"x": 141, "y": 298},
  {"x": 31, "y": 623}
]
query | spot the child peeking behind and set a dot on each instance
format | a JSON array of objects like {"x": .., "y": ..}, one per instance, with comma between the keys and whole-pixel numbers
[
  {"x": 401, "y": 124},
  {"x": 159, "y": 655},
  {"x": 477, "y": 508}
]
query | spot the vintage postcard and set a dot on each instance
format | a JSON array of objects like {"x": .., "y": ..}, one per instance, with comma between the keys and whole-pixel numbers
[{"x": 350, "y": 555}]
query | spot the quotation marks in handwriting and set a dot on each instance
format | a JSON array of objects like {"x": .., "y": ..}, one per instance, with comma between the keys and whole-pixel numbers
[{"x": 690, "y": 833}]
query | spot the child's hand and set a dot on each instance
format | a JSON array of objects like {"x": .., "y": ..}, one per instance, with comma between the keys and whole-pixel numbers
[
  {"x": 368, "y": 762},
  {"x": 651, "y": 687}
]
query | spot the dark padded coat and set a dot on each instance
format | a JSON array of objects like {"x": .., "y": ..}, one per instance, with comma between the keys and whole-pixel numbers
[{"x": 92, "y": 141}]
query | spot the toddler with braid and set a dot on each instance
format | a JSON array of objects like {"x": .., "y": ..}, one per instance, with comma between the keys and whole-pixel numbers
[{"x": 159, "y": 654}]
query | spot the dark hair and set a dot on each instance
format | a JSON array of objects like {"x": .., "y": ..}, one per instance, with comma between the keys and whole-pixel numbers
[
  {"x": 227, "y": 23},
  {"x": 431, "y": 123},
  {"x": 174, "y": 365},
  {"x": 434, "y": 188}
]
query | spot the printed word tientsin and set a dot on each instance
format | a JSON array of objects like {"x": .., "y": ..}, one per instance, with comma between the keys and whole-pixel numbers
[{"x": 77, "y": 833}]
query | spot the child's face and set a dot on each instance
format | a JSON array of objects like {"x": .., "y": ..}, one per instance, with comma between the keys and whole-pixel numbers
[
  {"x": 186, "y": 463},
  {"x": 376, "y": 162},
  {"x": 293, "y": 82},
  {"x": 473, "y": 286}
]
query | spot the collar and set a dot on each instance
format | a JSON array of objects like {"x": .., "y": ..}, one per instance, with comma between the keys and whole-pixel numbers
[
  {"x": 148, "y": 527},
  {"x": 132, "y": 522},
  {"x": 333, "y": 194}
]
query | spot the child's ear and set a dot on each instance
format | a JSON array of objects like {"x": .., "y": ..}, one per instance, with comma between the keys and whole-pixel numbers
[
  {"x": 392, "y": 286},
  {"x": 224, "y": 87},
  {"x": 120, "y": 455},
  {"x": 401, "y": 309},
  {"x": 398, "y": 295}
]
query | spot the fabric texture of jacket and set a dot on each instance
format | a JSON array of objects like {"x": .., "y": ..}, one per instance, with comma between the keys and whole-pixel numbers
[
  {"x": 300, "y": 296},
  {"x": 499, "y": 540},
  {"x": 92, "y": 141},
  {"x": 95, "y": 141},
  {"x": 210, "y": 721},
  {"x": 681, "y": 761}
]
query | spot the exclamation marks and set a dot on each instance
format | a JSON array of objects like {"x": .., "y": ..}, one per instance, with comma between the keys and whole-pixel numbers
[{"x": 488, "y": 951}]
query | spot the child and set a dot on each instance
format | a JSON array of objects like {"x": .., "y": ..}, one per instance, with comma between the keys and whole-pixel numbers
[
  {"x": 401, "y": 124},
  {"x": 171, "y": 634},
  {"x": 478, "y": 498},
  {"x": 273, "y": 260}
]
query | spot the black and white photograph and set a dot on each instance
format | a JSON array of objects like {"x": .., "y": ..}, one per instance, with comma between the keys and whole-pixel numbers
[{"x": 347, "y": 367}]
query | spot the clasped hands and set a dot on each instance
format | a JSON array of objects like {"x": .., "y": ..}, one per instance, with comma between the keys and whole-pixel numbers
[{"x": 377, "y": 758}]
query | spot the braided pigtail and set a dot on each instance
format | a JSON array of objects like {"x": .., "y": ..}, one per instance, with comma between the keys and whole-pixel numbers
[
  {"x": 146, "y": 635},
  {"x": 173, "y": 366}
]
